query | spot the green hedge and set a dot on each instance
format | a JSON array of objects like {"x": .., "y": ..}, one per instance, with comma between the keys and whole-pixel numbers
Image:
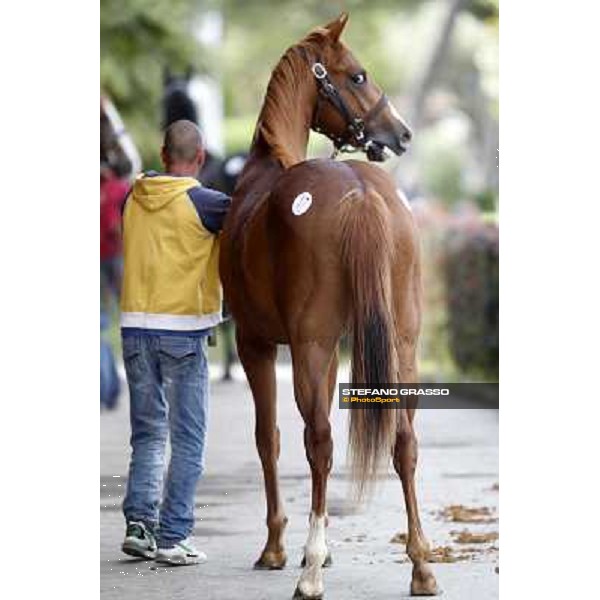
[{"x": 470, "y": 271}]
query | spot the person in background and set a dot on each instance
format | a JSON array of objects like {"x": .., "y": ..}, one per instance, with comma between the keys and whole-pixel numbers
[
  {"x": 113, "y": 190},
  {"x": 110, "y": 385},
  {"x": 170, "y": 301}
]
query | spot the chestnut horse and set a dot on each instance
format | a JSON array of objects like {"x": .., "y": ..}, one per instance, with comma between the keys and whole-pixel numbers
[{"x": 310, "y": 249}]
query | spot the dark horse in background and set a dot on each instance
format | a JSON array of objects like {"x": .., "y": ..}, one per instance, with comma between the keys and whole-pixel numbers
[
  {"x": 312, "y": 249},
  {"x": 217, "y": 173}
]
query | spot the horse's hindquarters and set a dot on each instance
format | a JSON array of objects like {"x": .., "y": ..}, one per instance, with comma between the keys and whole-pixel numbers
[
  {"x": 247, "y": 274},
  {"x": 307, "y": 215},
  {"x": 304, "y": 236}
]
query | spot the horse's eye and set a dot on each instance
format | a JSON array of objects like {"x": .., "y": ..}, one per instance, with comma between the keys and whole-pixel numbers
[{"x": 359, "y": 78}]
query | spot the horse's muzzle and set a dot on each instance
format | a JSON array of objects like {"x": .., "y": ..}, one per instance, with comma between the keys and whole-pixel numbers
[
  {"x": 397, "y": 139},
  {"x": 375, "y": 151}
]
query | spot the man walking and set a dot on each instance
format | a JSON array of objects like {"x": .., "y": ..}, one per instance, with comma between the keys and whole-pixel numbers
[{"x": 171, "y": 298}]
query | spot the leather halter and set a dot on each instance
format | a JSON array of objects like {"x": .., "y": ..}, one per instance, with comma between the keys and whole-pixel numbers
[{"x": 355, "y": 137}]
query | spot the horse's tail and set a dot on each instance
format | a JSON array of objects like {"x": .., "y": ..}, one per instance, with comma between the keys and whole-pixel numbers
[{"x": 367, "y": 252}]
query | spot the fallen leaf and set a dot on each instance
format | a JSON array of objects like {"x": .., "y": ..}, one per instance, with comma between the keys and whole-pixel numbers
[
  {"x": 399, "y": 538},
  {"x": 466, "y": 537},
  {"x": 445, "y": 554},
  {"x": 457, "y": 513}
]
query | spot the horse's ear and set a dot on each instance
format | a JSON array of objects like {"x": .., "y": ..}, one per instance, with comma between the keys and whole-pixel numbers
[{"x": 336, "y": 27}]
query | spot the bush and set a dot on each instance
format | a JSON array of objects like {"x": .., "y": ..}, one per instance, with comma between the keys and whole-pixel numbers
[
  {"x": 435, "y": 361},
  {"x": 459, "y": 334},
  {"x": 471, "y": 281}
]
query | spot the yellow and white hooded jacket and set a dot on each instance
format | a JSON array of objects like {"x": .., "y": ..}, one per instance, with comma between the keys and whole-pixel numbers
[{"x": 171, "y": 255}]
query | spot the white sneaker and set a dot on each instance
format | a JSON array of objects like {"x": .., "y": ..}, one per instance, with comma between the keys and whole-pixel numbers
[{"x": 183, "y": 553}]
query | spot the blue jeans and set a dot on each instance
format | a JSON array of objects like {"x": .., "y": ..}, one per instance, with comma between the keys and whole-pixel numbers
[
  {"x": 111, "y": 274},
  {"x": 110, "y": 385},
  {"x": 168, "y": 390}
]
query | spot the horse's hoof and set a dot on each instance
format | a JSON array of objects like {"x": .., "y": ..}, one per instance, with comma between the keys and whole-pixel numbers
[
  {"x": 271, "y": 561},
  {"x": 326, "y": 563},
  {"x": 423, "y": 581},
  {"x": 298, "y": 595},
  {"x": 424, "y": 587}
]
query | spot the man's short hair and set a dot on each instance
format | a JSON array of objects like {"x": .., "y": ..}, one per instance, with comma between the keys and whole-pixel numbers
[{"x": 182, "y": 141}]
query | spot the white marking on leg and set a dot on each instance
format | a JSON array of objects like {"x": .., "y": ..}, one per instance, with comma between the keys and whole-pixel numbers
[{"x": 315, "y": 552}]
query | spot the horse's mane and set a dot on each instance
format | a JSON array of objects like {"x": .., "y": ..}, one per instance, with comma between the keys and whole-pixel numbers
[{"x": 278, "y": 121}]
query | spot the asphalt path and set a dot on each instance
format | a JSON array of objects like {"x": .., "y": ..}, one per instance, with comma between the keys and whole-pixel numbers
[{"x": 457, "y": 488}]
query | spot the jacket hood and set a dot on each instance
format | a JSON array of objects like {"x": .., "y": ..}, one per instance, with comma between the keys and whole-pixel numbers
[{"x": 156, "y": 191}]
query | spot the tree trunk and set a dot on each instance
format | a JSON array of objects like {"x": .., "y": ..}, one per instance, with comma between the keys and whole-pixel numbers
[
  {"x": 405, "y": 170},
  {"x": 435, "y": 61}
]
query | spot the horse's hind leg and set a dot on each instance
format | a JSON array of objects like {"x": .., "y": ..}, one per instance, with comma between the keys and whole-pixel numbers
[
  {"x": 258, "y": 359},
  {"x": 405, "y": 461},
  {"x": 331, "y": 381},
  {"x": 408, "y": 304},
  {"x": 315, "y": 368}
]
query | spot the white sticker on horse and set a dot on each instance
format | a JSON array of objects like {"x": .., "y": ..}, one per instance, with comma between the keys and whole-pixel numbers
[{"x": 301, "y": 203}]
